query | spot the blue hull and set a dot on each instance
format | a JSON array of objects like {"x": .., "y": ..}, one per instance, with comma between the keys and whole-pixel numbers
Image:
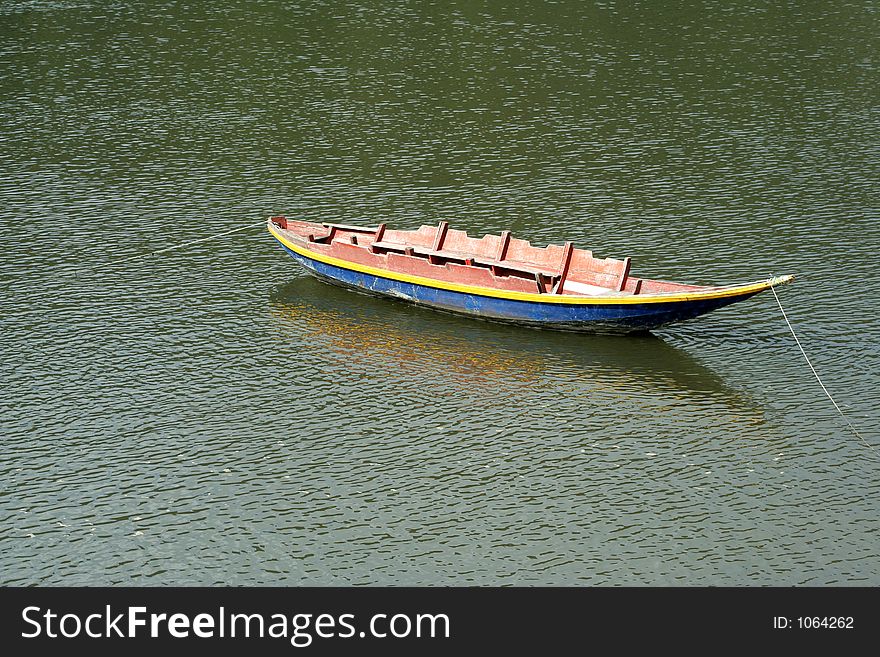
[{"x": 600, "y": 317}]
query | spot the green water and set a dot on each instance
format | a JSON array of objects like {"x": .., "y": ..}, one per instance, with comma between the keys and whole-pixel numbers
[{"x": 210, "y": 415}]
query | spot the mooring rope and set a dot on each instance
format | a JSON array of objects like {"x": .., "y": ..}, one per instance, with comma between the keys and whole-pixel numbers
[
  {"x": 816, "y": 374},
  {"x": 181, "y": 246}
]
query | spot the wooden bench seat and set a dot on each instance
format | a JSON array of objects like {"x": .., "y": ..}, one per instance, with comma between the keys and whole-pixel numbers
[
  {"x": 541, "y": 275},
  {"x": 465, "y": 257},
  {"x": 407, "y": 249},
  {"x": 422, "y": 250},
  {"x": 515, "y": 266},
  {"x": 353, "y": 229}
]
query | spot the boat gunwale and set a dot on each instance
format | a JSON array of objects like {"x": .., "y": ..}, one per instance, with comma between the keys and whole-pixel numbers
[{"x": 719, "y": 292}]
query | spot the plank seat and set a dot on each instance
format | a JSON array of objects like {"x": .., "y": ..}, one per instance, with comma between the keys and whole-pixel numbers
[
  {"x": 516, "y": 266},
  {"x": 391, "y": 246},
  {"x": 465, "y": 257},
  {"x": 353, "y": 229},
  {"x": 421, "y": 250}
]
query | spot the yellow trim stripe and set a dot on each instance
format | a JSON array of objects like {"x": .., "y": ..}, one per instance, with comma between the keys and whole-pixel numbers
[{"x": 717, "y": 293}]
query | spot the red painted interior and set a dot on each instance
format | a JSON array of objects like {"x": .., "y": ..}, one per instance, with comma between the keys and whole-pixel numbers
[{"x": 500, "y": 262}]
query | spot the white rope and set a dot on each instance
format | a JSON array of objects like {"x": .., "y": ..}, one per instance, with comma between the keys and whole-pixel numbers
[
  {"x": 816, "y": 374},
  {"x": 181, "y": 246}
]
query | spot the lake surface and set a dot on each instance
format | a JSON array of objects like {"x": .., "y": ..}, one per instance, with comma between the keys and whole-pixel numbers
[{"x": 210, "y": 415}]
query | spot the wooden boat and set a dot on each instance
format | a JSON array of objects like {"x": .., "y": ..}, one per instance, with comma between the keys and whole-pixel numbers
[{"x": 500, "y": 277}]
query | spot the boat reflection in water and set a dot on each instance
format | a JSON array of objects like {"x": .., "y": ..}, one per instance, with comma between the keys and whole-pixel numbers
[{"x": 382, "y": 338}]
